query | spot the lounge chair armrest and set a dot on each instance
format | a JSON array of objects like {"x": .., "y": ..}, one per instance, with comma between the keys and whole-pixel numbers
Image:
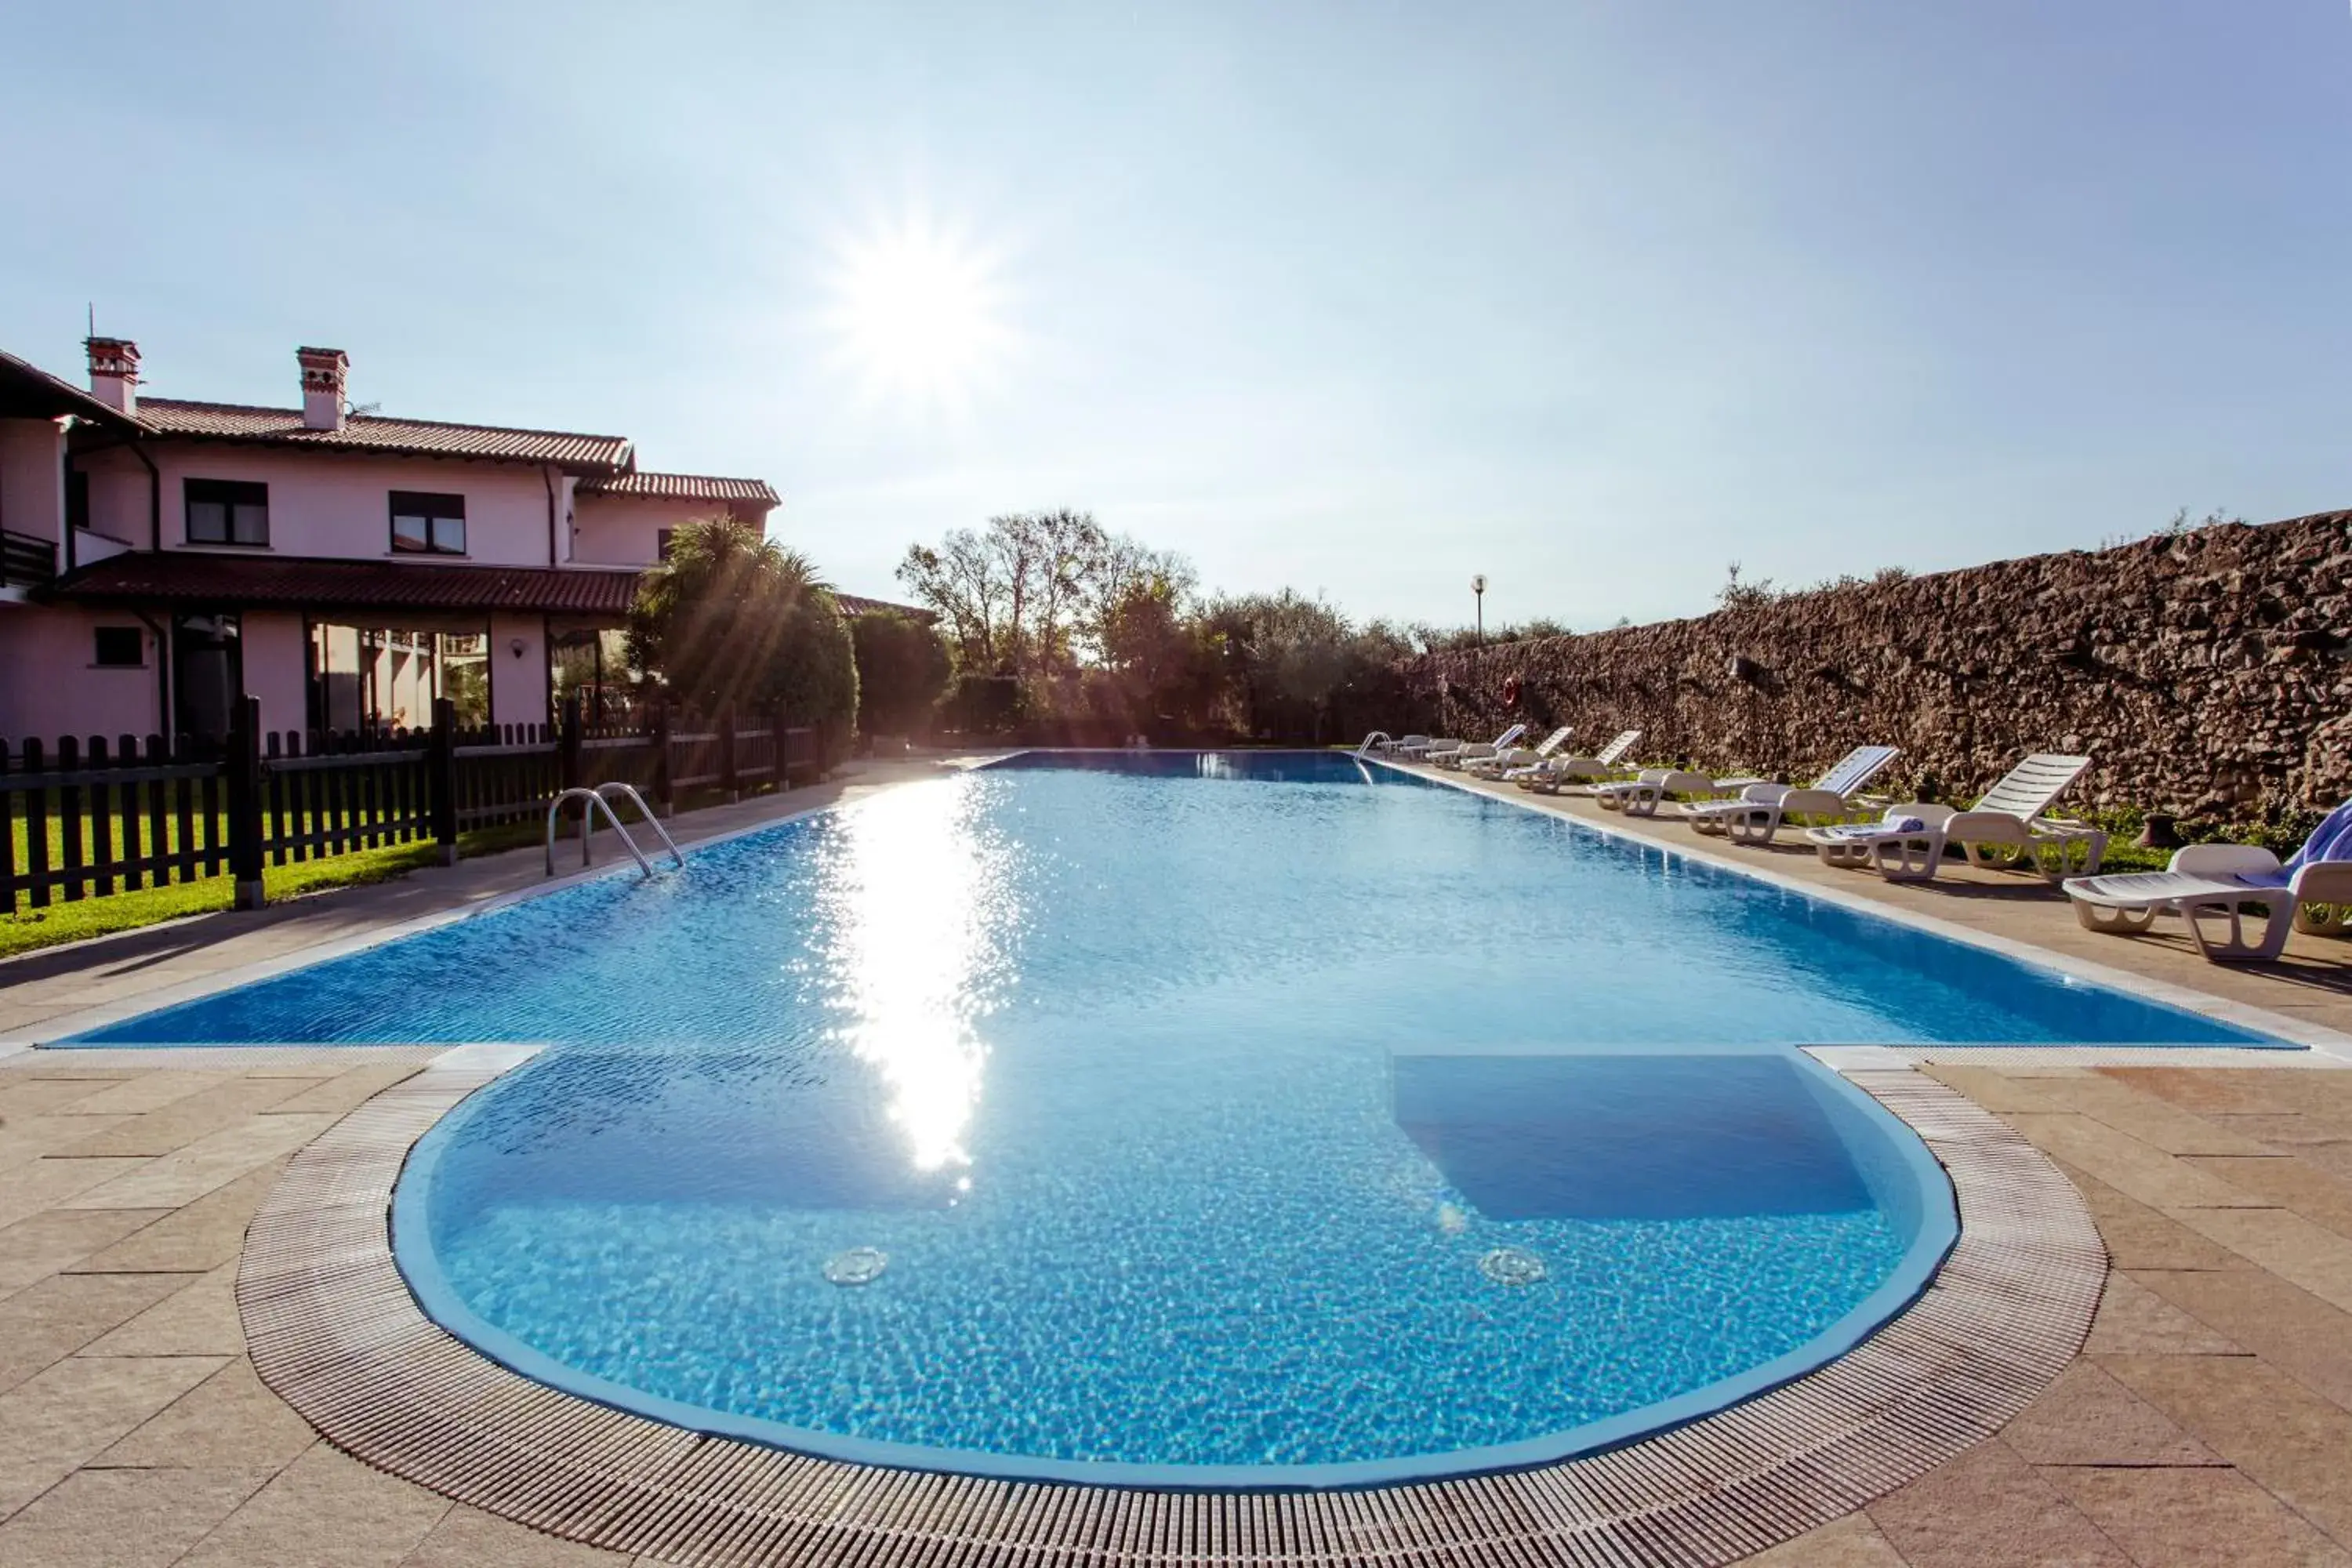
[
  {"x": 2224, "y": 860},
  {"x": 1766, "y": 793},
  {"x": 1812, "y": 802},
  {"x": 2324, "y": 882},
  {"x": 1986, "y": 827}
]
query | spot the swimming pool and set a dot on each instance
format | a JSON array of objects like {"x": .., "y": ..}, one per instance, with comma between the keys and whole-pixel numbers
[{"x": 1195, "y": 1119}]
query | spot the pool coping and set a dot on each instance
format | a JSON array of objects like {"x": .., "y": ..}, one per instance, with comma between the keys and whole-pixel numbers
[{"x": 333, "y": 1329}]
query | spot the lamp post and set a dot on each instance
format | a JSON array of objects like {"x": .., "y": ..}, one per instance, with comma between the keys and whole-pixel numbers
[{"x": 1478, "y": 589}]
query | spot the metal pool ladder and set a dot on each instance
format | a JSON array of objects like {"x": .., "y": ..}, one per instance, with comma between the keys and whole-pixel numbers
[{"x": 596, "y": 797}]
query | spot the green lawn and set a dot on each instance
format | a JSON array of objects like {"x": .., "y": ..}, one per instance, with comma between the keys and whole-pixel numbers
[{"x": 27, "y": 928}]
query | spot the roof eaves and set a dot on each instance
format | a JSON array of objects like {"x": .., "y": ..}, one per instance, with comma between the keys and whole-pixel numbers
[{"x": 75, "y": 401}]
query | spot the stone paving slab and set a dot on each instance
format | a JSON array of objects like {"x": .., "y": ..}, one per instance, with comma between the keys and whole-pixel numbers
[
  {"x": 200, "y": 1237},
  {"x": 56, "y": 1240},
  {"x": 2285, "y": 1438},
  {"x": 125, "y": 1517},
  {"x": 2212, "y": 1517}
]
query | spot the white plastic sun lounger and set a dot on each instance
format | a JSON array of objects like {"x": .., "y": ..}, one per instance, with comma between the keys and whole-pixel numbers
[
  {"x": 1502, "y": 761},
  {"x": 2006, "y": 828},
  {"x": 1460, "y": 753},
  {"x": 1547, "y": 777},
  {"x": 2211, "y": 886},
  {"x": 1759, "y": 812},
  {"x": 1642, "y": 796}
]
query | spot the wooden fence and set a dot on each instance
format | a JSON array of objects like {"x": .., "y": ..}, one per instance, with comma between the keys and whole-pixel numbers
[{"x": 84, "y": 819}]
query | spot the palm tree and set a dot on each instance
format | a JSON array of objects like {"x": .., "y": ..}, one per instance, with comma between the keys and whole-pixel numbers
[{"x": 732, "y": 618}]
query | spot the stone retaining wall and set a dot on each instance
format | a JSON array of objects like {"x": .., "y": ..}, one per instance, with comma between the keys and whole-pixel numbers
[{"x": 2208, "y": 673}]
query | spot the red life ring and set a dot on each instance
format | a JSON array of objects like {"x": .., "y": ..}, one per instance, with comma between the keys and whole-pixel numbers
[{"x": 1511, "y": 692}]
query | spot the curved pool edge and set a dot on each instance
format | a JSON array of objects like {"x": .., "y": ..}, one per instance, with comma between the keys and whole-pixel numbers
[
  {"x": 1933, "y": 1236},
  {"x": 334, "y": 1330}
]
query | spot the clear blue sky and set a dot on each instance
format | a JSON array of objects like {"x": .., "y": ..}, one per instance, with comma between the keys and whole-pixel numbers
[{"x": 1358, "y": 298}]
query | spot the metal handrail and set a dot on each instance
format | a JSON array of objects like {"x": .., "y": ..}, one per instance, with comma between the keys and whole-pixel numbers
[
  {"x": 629, "y": 792},
  {"x": 1371, "y": 739},
  {"x": 588, "y": 829}
]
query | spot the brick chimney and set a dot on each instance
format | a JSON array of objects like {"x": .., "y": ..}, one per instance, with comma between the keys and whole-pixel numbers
[
  {"x": 322, "y": 387},
  {"x": 114, "y": 373}
]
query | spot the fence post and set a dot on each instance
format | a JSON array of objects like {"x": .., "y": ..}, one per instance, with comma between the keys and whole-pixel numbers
[
  {"x": 244, "y": 803},
  {"x": 441, "y": 778},
  {"x": 784, "y": 762},
  {"x": 567, "y": 745},
  {"x": 569, "y": 756},
  {"x": 728, "y": 783},
  {"x": 661, "y": 758}
]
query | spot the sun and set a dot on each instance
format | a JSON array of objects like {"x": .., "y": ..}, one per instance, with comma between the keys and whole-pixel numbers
[{"x": 918, "y": 314}]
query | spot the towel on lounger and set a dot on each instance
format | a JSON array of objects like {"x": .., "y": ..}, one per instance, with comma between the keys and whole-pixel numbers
[{"x": 1890, "y": 823}]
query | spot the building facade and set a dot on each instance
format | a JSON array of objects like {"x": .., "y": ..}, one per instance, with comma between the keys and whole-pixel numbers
[{"x": 163, "y": 557}]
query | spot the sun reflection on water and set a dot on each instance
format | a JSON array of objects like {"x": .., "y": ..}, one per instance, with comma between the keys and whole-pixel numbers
[{"x": 917, "y": 902}]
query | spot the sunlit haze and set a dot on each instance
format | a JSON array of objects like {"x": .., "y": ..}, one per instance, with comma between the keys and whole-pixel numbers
[
  {"x": 917, "y": 321},
  {"x": 1360, "y": 299}
]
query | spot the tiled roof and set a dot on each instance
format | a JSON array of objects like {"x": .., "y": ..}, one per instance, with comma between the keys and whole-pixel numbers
[
  {"x": 680, "y": 487},
  {"x": 301, "y": 583},
  {"x": 29, "y": 392},
  {"x": 297, "y": 583},
  {"x": 371, "y": 433},
  {"x": 853, "y": 604}
]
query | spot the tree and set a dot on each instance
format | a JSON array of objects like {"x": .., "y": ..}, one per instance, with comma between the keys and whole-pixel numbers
[
  {"x": 1064, "y": 551},
  {"x": 963, "y": 580},
  {"x": 731, "y": 618},
  {"x": 902, "y": 668},
  {"x": 1164, "y": 660},
  {"x": 1027, "y": 594}
]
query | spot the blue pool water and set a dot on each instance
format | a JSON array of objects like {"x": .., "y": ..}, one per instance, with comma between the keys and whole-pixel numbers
[{"x": 1224, "y": 1117}]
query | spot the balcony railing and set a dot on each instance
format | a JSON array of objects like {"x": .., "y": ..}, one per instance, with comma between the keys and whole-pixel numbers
[{"x": 26, "y": 562}]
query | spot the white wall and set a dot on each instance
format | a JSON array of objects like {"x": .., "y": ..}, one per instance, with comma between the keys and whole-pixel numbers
[
  {"x": 519, "y": 683},
  {"x": 32, "y": 479},
  {"x": 338, "y": 506},
  {"x": 276, "y": 655},
  {"x": 50, "y": 684},
  {"x": 118, "y": 497},
  {"x": 625, "y": 531}
]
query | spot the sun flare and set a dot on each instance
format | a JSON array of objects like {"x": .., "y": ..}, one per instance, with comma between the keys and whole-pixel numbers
[{"x": 918, "y": 314}]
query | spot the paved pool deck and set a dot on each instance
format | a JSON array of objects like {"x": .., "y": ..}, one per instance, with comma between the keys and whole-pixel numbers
[{"x": 2208, "y": 1418}]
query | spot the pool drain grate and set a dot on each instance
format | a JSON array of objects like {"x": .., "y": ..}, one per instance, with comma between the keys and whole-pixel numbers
[
  {"x": 858, "y": 1266},
  {"x": 1512, "y": 1265}
]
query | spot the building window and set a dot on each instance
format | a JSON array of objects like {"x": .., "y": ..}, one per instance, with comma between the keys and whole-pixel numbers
[
  {"x": 661, "y": 543},
  {"x": 426, "y": 524},
  {"x": 228, "y": 512},
  {"x": 120, "y": 647}
]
